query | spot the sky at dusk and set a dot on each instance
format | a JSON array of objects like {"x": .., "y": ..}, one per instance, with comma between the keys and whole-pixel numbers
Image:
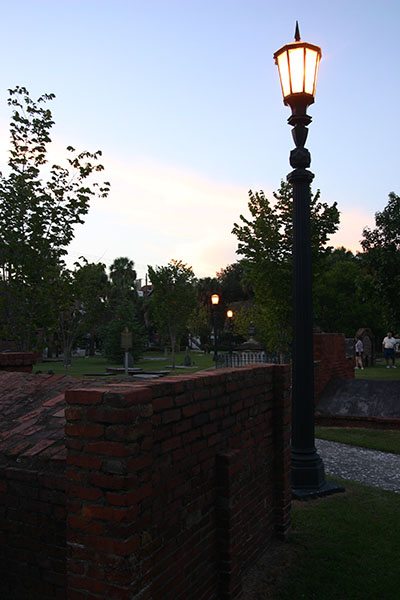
[{"x": 183, "y": 98}]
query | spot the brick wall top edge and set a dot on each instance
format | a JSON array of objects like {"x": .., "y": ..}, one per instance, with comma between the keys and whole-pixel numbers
[{"x": 17, "y": 358}]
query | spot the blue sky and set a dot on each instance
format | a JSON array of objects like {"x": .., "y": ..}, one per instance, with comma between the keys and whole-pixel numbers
[{"x": 184, "y": 100}]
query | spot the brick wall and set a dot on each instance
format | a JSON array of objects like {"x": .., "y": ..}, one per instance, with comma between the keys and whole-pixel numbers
[
  {"x": 330, "y": 360},
  {"x": 17, "y": 361},
  {"x": 176, "y": 487},
  {"x": 32, "y": 534}
]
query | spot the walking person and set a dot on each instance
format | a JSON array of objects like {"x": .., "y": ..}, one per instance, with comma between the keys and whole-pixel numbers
[
  {"x": 359, "y": 352},
  {"x": 388, "y": 345}
]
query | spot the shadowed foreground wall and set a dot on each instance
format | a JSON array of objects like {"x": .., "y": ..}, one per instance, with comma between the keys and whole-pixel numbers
[
  {"x": 172, "y": 489},
  {"x": 177, "y": 486}
]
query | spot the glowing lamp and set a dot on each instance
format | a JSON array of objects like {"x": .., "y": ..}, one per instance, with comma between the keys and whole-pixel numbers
[
  {"x": 298, "y": 69},
  {"x": 215, "y": 299},
  {"x": 229, "y": 313}
]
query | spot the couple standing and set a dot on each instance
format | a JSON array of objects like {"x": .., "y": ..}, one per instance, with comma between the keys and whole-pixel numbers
[{"x": 388, "y": 347}]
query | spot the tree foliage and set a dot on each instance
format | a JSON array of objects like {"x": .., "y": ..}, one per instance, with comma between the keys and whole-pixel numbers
[
  {"x": 381, "y": 257},
  {"x": 265, "y": 242},
  {"x": 173, "y": 299},
  {"x": 342, "y": 295},
  {"x": 38, "y": 217}
]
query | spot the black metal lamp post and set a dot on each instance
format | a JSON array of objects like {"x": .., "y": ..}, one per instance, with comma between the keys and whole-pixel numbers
[
  {"x": 298, "y": 68},
  {"x": 229, "y": 314},
  {"x": 214, "y": 304}
]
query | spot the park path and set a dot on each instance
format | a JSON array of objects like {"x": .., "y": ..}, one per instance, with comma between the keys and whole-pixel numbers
[{"x": 371, "y": 467}]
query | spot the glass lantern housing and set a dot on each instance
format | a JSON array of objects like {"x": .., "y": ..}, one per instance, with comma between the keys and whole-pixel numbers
[{"x": 298, "y": 70}]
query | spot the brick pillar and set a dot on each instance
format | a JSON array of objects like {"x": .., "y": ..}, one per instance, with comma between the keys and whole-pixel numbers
[
  {"x": 229, "y": 467},
  {"x": 282, "y": 432},
  {"x": 109, "y": 442}
]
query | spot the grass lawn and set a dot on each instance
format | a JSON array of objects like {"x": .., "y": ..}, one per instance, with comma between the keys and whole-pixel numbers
[
  {"x": 345, "y": 546},
  {"x": 375, "y": 439},
  {"x": 379, "y": 371},
  {"x": 96, "y": 364}
]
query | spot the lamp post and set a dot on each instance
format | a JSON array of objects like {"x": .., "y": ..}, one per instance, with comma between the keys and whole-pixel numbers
[
  {"x": 229, "y": 314},
  {"x": 214, "y": 304},
  {"x": 298, "y": 68}
]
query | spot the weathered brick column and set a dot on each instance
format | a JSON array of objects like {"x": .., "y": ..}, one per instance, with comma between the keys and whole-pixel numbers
[
  {"x": 109, "y": 441},
  {"x": 281, "y": 425}
]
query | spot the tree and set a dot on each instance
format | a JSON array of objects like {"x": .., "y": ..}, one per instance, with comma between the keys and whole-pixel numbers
[
  {"x": 123, "y": 311},
  {"x": 173, "y": 299},
  {"x": 381, "y": 257},
  {"x": 92, "y": 292},
  {"x": 38, "y": 217},
  {"x": 234, "y": 283},
  {"x": 342, "y": 295},
  {"x": 265, "y": 242}
]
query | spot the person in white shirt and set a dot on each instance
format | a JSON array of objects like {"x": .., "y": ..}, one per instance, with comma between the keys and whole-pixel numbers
[
  {"x": 388, "y": 345},
  {"x": 359, "y": 347}
]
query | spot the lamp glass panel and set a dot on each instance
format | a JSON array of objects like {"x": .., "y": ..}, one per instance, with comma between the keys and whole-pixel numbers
[
  {"x": 316, "y": 72},
  {"x": 296, "y": 60},
  {"x": 311, "y": 68},
  {"x": 284, "y": 73},
  {"x": 215, "y": 298}
]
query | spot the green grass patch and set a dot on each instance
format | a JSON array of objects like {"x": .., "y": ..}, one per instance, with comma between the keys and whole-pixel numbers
[
  {"x": 346, "y": 546},
  {"x": 97, "y": 364},
  {"x": 378, "y": 371},
  {"x": 374, "y": 439}
]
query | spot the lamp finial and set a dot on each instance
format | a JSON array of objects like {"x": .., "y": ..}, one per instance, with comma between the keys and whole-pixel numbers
[{"x": 297, "y": 33}]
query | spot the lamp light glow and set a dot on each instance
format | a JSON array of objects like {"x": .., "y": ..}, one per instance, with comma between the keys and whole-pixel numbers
[
  {"x": 298, "y": 70},
  {"x": 215, "y": 299},
  {"x": 229, "y": 313}
]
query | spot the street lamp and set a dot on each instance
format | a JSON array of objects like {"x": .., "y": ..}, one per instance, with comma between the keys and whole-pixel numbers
[
  {"x": 214, "y": 304},
  {"x": 229, "y": 314},
  {"x": 298, "y": 68}
]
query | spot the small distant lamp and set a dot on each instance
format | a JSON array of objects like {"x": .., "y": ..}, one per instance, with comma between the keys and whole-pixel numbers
[{"x": 229, "y": 314}]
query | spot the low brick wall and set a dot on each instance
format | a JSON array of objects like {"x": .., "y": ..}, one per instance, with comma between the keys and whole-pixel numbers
[
  {"x": 17, "y": 361},
  {"x": 357, "y": 421},
  {"x": 172, "y": 489},
  {"x": 330, "y": 360}
]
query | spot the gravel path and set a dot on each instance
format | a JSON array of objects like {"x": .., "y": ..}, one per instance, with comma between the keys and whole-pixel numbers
[{"x": 371, "y": 467}]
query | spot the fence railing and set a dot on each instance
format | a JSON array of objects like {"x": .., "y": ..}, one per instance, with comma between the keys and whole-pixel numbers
[{"x": 241, "y": 359}]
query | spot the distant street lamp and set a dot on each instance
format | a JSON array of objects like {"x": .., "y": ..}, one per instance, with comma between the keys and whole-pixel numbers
[
  {"x": 298, "y": 68},
  {"x": 214, "y": 304},
  {"x": 229, "y": 314}
]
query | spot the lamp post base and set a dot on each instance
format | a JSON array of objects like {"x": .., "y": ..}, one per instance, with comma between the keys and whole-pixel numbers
[
  {"x": 308, "y": 476},
  {"x": 326, "y": 489}
]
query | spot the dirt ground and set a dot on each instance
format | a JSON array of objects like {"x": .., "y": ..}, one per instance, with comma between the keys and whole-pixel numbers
[{"x": 265, "y": 578}]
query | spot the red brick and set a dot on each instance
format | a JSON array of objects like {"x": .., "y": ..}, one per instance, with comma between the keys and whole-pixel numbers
[
  {"x": 77, "y": 491},
  {"x": 107, "y": 448},
  {"x": 85, "y": 431},
  {"x": 130, "y": 498},
  {"x": 162, "y": 403},
  {"x": 191, "y": 409},
  {"x": 86, "y": 462},
  {"x": 112, "y": 415},
  {"x": 106, "y": 513},
  {"x": 84, "y": 396},
  {"x": 74, "y": 413}
]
